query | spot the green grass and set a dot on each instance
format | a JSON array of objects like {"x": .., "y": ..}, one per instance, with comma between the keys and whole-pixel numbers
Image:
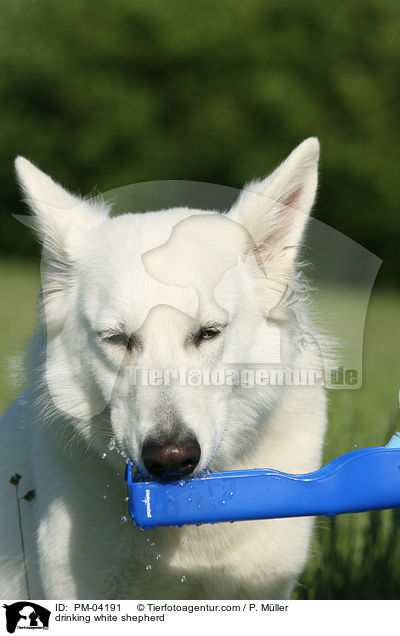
[
  {"x": 358, "y": 556},
  {"x": 19, "y": 286},
  {"x": 353, "y": 556}
]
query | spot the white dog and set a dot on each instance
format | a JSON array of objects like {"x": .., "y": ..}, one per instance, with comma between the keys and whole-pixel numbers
[{"x": 161, "y": 291}]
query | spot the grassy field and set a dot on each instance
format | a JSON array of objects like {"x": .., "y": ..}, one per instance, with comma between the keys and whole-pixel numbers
[
  {"x": 353, "y": 556},
  {"x": 358, "y": 556},
  {"x": 19, "y": 286}
]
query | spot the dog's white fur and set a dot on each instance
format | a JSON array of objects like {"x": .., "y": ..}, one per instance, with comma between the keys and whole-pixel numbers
[{"x": 161, "y": 275}]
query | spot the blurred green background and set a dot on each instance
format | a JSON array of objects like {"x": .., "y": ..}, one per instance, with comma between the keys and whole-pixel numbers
[
  {"x": 105, "y": 94},
  {"x": 101, "y": 95}
]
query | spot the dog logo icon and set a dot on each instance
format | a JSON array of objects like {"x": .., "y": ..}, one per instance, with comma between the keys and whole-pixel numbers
[{"x": 26, "y": 615}]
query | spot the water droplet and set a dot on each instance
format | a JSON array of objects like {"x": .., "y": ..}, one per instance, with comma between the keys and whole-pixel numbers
[
  {"x": 104, "y": 496},
  {"x": 126, "y": 499},
  {"x": 124, "y": 519},
  {"x": 104, "y": 455},
  {"x": 182, "y": 482},
  {"x": 223, "y": 501},
  {"x": 183, "y": 579},
  {"x": 123, "y": 454},
  {"x": 107, "y": 485},
  {"x": 153, "y": 545},
  {"x": 147, "y": 539},
  {"x": 111, "y": 444},
  {"x": 158, "y": 557},
  {"x": 231, "y": 493},
  {"x": 355, "y": 445},
  {"x": 148, "y": 567},
  {"x": 190, "y": 499}
]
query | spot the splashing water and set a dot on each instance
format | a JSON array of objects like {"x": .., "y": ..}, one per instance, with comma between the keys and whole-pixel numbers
[{"x": 111, "y": 444}]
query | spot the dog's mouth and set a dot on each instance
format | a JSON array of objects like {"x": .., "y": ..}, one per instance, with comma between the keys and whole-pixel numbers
[
  {"x": 169, "y": 478},
  {"x": 164, "y": 475},
  {"x": 157, "y": 474}
]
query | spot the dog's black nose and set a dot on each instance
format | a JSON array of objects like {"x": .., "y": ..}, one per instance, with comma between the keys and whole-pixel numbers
[{"x": 171, "y": 458}]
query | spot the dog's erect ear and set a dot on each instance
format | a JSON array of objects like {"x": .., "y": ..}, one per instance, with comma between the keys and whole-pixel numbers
[
  {"x": 55, "y": 211},
  {"x": 275, "y": 210},
  {"x": 60, "y": 220}
]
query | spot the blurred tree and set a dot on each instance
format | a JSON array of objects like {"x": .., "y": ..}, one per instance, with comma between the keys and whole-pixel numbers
[{"x": 105, "y": 94}]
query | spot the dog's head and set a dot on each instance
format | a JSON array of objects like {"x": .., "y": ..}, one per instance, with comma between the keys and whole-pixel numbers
[{"x": 150, "y": 319}]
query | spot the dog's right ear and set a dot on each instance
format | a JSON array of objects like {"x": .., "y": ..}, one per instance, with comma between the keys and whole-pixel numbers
[
  {"x": 61, "y": 221},
  {"x": 56, "y": 212}
]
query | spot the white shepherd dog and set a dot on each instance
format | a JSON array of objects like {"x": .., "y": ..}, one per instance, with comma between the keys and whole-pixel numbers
[{"x": 174, "y": 289}]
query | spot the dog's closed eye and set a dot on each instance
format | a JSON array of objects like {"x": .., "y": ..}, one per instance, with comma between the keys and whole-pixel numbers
[
  {"x": 206, "y": 333},
  {"x": 121, "y": 339}
]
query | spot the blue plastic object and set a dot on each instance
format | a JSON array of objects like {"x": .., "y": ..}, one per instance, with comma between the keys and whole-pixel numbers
[{"x": 364, "y": 479}]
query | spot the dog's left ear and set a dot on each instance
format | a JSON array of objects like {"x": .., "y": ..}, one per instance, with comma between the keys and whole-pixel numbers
[{"x": 275, "y": 210}]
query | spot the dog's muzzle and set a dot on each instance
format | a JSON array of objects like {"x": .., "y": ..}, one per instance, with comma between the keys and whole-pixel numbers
[{"x": 171, "y": 458}]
